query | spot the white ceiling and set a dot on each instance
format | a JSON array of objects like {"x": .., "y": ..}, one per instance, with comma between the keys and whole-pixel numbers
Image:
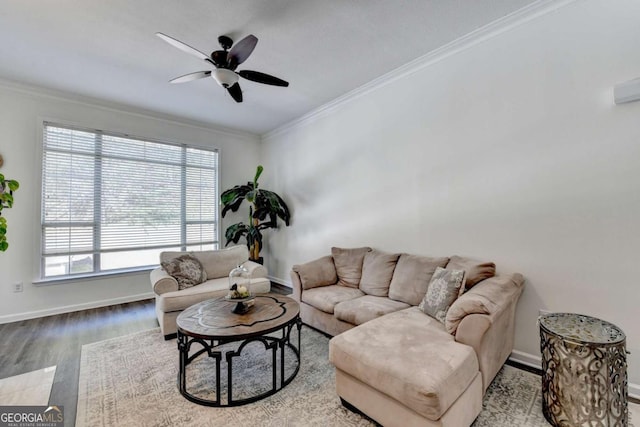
[{"x": 324, "y": 48}]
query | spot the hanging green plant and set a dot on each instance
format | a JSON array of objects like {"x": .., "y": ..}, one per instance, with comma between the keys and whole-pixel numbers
[{"x": 7, "y": 187}]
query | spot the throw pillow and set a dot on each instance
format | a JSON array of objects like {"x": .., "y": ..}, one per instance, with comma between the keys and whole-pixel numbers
[
  {"x": 476, "y": 271},
  {"x": 186, "y": 269},
  {"x": 349, "y": 265},
  {"x": 412, "y": 276},
  {"x": 377, "y": 270},
  {"x": 445, "y": 287},
  {"x": 320, "y": 272}
]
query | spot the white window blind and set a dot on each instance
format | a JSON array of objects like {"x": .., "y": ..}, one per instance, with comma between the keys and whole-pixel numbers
[{"x": 113, "y": 202}]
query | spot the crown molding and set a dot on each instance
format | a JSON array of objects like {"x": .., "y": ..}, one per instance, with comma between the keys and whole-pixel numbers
[
  {"x": 487, "y": 32},
  {"x": 105, "y": 105}
]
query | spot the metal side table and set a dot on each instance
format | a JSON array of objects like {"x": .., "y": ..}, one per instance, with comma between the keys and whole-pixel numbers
[{"x": 584, "y": 371}]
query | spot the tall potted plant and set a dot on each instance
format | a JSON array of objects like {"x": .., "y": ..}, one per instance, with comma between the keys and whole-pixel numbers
[{"x": 265, "y": 207}]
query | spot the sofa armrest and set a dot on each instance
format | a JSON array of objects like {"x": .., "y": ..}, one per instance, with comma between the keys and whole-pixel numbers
[
  {"x": 487, "y": 321},
  {"x": 472, "y": 329},
  {"x": 256, "y": 270},
  {"x": 489, "y": 297},
  {"x": 162, "y": 282},
  {"x": 320, "y": 272},
  {"x": 296, "y": 285}
]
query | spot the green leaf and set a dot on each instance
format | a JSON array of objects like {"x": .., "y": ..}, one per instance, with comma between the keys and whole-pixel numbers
[
  {"x": 13, "y": 185},
  {"x": 258, "y": 173},
  {"x": 275, "y": 205},
  {"x": 235, "y": 232},
  {"x": 232, "y": 199},
  {"x": 8, "y": 199},
  {"x": 3, "y": 229},
  {"x": 4, "y": 245}
]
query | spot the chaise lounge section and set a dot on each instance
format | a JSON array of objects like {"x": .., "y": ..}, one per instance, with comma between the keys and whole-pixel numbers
[{"x": 395, "y": 363}]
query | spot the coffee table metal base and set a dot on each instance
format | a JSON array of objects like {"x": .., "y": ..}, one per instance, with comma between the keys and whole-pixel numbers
[{"x": 212, "y": 348}]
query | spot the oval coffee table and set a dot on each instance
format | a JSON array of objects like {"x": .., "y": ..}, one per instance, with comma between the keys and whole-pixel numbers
[{"x": 212, "y": 324}]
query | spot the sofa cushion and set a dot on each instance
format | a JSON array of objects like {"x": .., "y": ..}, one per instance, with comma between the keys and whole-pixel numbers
[
  {"x": 377, "y": 270},
  {"x": 348, "y": 264},
  {"x": 408, "y": 356},
  {"x": 368, "y": 307},
  {"x": 325, "y": 298},
  {"x": 214, "y": 288},
  {"x": 216, "y": 263},
  {"x": 411, "y": 277},
  {"x": 321, "y": 272},
  {"x": 186, "y": 269},
  {"x": 476, "y": 271},
  {"x": 445, "y": 287}
]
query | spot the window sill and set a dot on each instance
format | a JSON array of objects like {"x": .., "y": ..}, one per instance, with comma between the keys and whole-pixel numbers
[{"x": 93, "y": 276}]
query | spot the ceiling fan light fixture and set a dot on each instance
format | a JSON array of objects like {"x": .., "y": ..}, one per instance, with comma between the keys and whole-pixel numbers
[{"x": 224, "y": 77}]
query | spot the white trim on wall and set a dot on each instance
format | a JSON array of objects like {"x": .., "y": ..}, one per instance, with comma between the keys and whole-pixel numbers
[
  {"x": 280, "y": 281},
  {"x": 71, "y": 308},
  {"x": 121, "y": 108},
  {"x": 535, "y": 361},
  {"x": 493, "y": 29}
]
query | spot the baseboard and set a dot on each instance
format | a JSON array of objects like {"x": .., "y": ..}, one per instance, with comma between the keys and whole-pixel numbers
[
  {"x": 526, "y": 359},
  {"x": 71, "y": 308},
  {"x": 534, "y": 361},
  {"x": 280, "y": 281}
]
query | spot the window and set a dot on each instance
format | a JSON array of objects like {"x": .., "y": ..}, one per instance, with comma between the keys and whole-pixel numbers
[{"x": 113, "y": 202}]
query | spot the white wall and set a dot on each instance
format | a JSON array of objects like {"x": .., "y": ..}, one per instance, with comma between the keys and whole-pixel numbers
[
  {"x": 511, "y": 151},
  {"x": 21, "y": 113}
]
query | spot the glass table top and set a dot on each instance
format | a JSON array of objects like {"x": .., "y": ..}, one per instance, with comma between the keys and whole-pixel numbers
[{"x": 582, "y": 328}]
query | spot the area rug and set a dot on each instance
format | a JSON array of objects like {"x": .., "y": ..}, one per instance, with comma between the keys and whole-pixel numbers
[{"x": 131, "y": 380}]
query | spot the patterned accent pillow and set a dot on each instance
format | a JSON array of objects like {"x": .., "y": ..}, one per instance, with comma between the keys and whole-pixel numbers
[
  {"x": 187, "y": 270},
  {"x": 445, "y": 287}
]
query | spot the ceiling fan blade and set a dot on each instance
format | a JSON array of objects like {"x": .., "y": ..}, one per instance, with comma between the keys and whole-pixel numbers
[
  {"x": 235, "y": 92},
  {"x": 191, "y": 76},
  {"x": 262, "y": 78},
  {"x": 241, "y": 50},
  {"x": 183, "y": 47}
]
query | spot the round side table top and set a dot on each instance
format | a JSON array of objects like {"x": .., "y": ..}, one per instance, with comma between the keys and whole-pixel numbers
[
  {"x": 214, "y": 319},
  {"x": 581, "y": 328}
]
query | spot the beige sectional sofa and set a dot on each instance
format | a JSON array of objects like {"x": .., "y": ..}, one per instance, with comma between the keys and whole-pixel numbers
[
  {"x": 170, "y": 301},
  {"x": 393, "y": 362}
]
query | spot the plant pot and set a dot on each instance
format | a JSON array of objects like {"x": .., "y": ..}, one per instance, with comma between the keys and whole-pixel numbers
[{"x": 259, "y": 260}]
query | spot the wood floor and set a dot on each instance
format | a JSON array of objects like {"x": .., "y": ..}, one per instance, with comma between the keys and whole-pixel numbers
[{"x": 57, "y": 340}]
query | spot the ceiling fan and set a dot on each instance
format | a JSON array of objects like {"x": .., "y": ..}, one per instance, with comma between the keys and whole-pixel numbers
[{"x": 225, "y": 62}]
